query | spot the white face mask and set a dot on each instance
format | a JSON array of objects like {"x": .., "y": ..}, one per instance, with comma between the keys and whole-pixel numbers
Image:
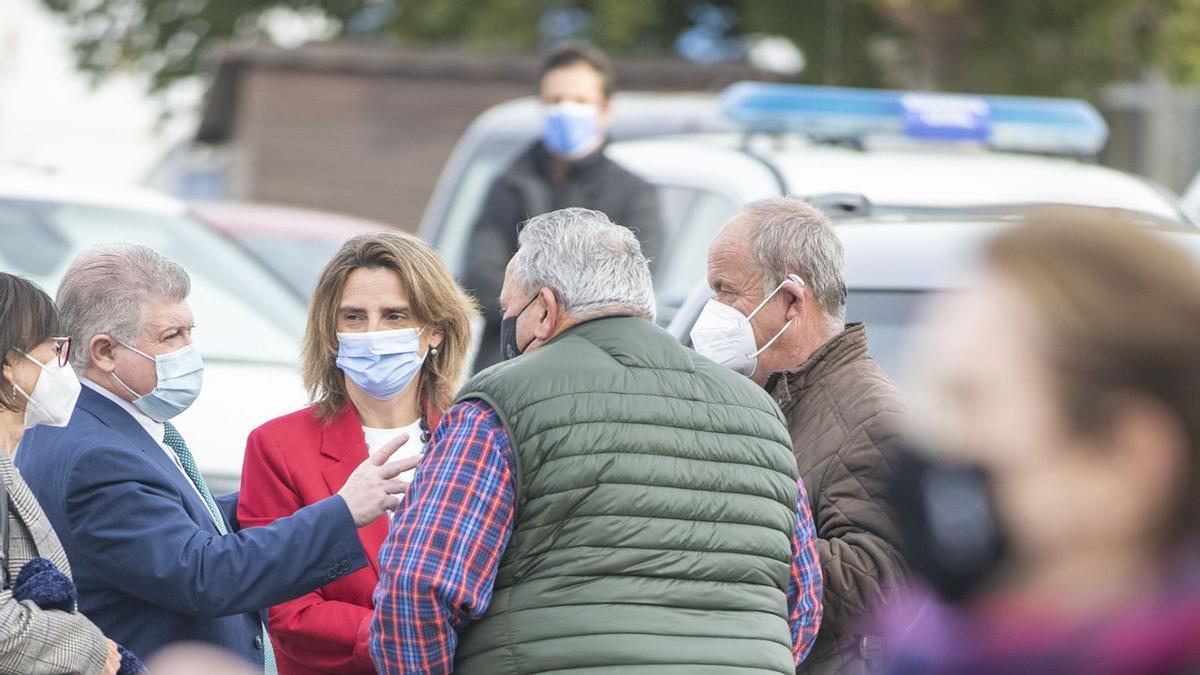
[
  {"x": 725, "y": 335},
  {"x": 54, "y": 396}
]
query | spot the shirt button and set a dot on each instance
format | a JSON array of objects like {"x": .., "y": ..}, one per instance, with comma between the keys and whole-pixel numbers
[{"x": 258, "y": 642}]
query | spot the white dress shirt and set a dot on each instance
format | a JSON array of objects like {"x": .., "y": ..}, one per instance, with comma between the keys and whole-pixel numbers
[{"x": 156, "y": 430}]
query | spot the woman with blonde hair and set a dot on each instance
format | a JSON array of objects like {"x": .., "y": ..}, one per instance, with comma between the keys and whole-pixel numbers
[{"x": 384, "y": 352}]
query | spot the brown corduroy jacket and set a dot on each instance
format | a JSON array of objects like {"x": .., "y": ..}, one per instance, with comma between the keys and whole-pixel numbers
[{"x": 843, "y": 412}]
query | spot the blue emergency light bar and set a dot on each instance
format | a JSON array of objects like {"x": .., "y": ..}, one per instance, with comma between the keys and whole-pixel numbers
[{"x": 1015, "y": 123}]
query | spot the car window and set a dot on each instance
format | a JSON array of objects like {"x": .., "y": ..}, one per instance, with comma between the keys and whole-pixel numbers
[
  {"x": 242, "y": 312},
  {"x": 691, "y": 217},
  {"x": 889, "y": 316}
]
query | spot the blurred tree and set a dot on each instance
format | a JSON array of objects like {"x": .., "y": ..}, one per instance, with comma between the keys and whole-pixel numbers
[
  {"x": 1032, "y": 46},
  {"x": 1016, "y": 46}
]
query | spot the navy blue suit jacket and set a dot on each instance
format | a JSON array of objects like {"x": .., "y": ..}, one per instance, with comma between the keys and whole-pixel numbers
[{"x": 148, "y": 560}]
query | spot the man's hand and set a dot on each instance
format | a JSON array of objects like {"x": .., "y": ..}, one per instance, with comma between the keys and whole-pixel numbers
[
  {"x": 370, "y": 490},
  {"x": 113, "y": 663}
]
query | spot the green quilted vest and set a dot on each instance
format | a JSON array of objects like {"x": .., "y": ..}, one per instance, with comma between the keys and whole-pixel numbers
[{"x": 656, "y": 502}]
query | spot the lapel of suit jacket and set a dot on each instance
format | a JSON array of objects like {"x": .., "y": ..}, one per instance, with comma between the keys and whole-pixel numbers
[
  {"x": 24, "y": 505},
  {"x": 112, "y": 416},
  {"x": 343, "y": 448}
]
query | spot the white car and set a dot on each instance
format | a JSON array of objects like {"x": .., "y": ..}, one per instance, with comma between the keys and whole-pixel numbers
[
  {"x": 885, "y": 156},
  {"x": 248, "y": 323}
]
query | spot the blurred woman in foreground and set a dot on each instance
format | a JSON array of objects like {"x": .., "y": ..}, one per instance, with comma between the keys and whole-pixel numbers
[{"x": 1050, "y": 496}]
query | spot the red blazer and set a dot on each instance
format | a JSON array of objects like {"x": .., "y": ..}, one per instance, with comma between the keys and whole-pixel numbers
[{"x": 291, "y": 462}]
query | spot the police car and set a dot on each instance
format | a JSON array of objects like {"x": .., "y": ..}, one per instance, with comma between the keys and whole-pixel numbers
[{"x": 905, "y": 154}]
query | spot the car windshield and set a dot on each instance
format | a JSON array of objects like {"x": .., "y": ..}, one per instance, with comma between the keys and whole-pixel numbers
[{"x": 242, "y": 312}]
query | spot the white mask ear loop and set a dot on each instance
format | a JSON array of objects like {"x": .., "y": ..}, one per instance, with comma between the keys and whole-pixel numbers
[
  {"x": 17, "y": 387},
  {"x": 427, "y": 349},
  {"x": 121, "y": 382},
  {"x": 793, "y": 278}
]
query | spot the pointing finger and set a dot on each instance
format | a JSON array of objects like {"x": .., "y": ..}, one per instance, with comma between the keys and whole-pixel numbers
[{"x": 383, "y": 454}]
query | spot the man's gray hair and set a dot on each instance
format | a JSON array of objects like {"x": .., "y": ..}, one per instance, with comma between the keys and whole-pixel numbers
[
  {"x": 594, "y": 265},
  {"x": 790, "y": 236},
  {"x": 107, "y": 290}
]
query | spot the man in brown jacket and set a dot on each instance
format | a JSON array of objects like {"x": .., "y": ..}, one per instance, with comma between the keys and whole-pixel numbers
[{"x": 778, "y": 317}]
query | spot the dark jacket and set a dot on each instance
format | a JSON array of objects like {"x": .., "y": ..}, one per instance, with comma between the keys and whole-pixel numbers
[
  {"x": 842, "y": 411},
  {"x": 525, "y": 190},
  {"x": 149, "y": 563}
]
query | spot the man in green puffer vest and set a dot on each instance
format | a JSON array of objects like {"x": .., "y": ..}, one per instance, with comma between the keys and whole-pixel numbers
[{"x": 605, "y": 501}]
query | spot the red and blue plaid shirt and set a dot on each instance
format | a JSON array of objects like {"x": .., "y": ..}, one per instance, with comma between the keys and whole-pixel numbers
[{"x": 439, "y": 563}]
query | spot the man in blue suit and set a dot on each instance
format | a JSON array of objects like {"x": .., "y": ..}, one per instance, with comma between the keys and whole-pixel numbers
[{"x": 156, "y": 558}]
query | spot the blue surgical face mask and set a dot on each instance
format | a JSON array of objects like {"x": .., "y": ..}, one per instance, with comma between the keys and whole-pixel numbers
[
  {"x": 571, "y": 130},
  {"x": 180, "y": 376},
  {"x": 381, "y": 363}
]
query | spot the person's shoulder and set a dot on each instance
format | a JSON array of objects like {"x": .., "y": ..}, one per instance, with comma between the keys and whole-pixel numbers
[
  {"x": 84, "y": 451},
  {"x": 82, "y": 433},
  {"x": 300, "y": 425},
  {"x": 523, "y": 164},
  {"x": 304, "y": 419},
  {"x": 864, "y": 386},
  {"x": 470, "y": 409}
]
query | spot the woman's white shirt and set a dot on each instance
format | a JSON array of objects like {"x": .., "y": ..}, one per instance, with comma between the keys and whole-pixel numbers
[{"x": 377, "y": 438}]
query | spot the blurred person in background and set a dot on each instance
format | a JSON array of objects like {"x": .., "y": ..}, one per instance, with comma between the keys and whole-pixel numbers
[
  {"x": 1049, "y": 495},
  {"x": 37, "y": 386},
  {"x": 605, "y": 500},
  {"x": 566, "y": 167},
  {"x": 384, "y": 353},
  {"x": 157, "y": 558},
  {"x": 778, "y": 317}
]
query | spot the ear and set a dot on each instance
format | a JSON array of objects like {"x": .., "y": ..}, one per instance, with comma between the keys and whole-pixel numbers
[
  {"x": 1151, "y": 447},
  {"x": 794, "y": 288},
  {"x": 548, "y": 326},
  {"x": 9, "y": 374},
  {"x": 605, "y": 118},
  {"x": 100, "y": 352},
  {"x": 435, "y": 339}
]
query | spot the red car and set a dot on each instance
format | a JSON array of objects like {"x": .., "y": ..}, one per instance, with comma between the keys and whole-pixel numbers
[{"x": 293, "y": 243}]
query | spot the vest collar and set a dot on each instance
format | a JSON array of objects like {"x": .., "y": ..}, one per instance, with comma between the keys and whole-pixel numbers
[{"x": 631, "y": 341}]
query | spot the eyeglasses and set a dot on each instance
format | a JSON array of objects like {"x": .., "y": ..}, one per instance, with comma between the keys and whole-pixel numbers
[{"x": 62, "y": 350}]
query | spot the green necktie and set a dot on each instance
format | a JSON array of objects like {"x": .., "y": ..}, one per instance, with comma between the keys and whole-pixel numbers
[{"x": 174, "y": 441}]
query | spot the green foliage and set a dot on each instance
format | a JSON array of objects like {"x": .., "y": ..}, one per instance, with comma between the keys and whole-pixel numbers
[{"x": 1013, "y": 46}]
